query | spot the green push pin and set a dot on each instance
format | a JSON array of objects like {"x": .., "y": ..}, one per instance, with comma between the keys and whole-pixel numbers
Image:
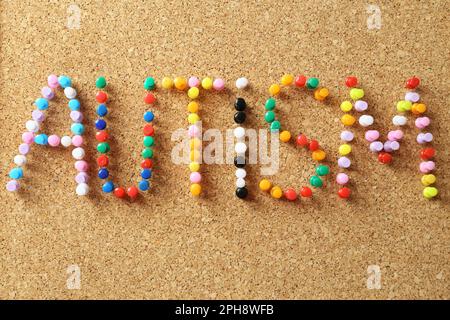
[
  {"x": 103, "y": 147},
  {"x": 149, "y": 83},
  {"x": 275, "y": 126},
  {"x": 312, "y": 83},
  {"x": 147, "y": 153},
  {"x": 148, "y": 141},
  {"x": 269, "y": 116},
  {"x": 100, "y": 82},
  {"x": 316, "y": 181},
  {"x": 270, "y": 104},
  {"x": 322, "y": 170}
]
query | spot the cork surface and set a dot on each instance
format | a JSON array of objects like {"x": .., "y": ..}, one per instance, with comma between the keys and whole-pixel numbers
[{"x": 167, "y": 245}]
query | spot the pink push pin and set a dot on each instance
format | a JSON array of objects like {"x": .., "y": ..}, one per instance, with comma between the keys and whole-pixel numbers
[
  {"x": 77, "y": 141},
  {"x": 52, "y": 81},
  {"x": 422, "y": 122},
  {"x": 395, "y": 135},
  {"x": 193, "y": 131},
  {"x": 218, "y": 84},
  {"x": 28, "y": 137},
  {"x": 427, "y": 166},
  {"x": 372, "y": 135},
  {"x": 342, "y": 178},
  {"x": 195, "y": 177},
  {"x": 81, "y": 166},
  {"x": 54, "y": 140},
  {"x": 193, "y": 82}
]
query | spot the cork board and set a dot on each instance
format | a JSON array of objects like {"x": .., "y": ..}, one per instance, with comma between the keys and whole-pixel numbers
[{"x": 169, "y": 246}]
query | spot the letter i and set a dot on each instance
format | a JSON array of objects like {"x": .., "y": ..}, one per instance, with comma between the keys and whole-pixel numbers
[{"x": 240, "y": 147}]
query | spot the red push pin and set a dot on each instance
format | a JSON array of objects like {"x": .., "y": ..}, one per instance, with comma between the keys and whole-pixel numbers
[
  {"x": 149, "y": 98},
  {"x": 102, "y": 161},
  {"x": 146, "y": 164},
  {"x": 306, "y": 192},
  {"x": 148, "y": 130},
  {"x": 101, "y": 97},
  {"x": 384, "y": 157},
  {"x": 314, "y": 145},
  {"x": 344, "y": 193},
  {"x": 119, "y": 192},
  {"x": 351, "y": 82},
  {"x": 300, "y": 81},
  {"x": 290, "y": 194},
  {"x": 302, "y": 140},
  {"x": 132, "y": 192},
  {"x": 427, "y": 153},
  {"x": 101, "y": 136},
  {"x": 412, "y": 83}
]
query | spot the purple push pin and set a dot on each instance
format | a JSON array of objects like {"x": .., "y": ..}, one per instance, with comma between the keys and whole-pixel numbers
[
  {"x": 395, "y": 145},
  {"x": 47, "y": 93},
  {"x": 12, "y": 186},
  {"x": 82, "y": 177},
  {"x": 424, "y": 137},
  {"x": 387, "y": 146},
  {"x": 376, "y": 146},
  {"x": 344, "y": 162},
  {"x": 347, "y": 135},
  {"x": 76, "y": 116},
  {"x": 24, "y": 148},
  {"x": 361, "y": 105},
  {"x": 38, "y": 115},
  {"x": 420, "y": 138},
  {"x": 428, "y": 137},
  {"x": 412, "y": 96}
]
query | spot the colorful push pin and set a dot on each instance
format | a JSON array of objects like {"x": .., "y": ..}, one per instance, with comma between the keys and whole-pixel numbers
[
  {"x": 290, "y": 194},
  {"x": 412, "y": 83},
  {"x": 351, "y": 82},
  {"x": 344, "y": 193}
]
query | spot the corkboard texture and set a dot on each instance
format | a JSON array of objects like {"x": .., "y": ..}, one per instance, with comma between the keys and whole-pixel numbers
[{"x": 168, "y": 245}]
